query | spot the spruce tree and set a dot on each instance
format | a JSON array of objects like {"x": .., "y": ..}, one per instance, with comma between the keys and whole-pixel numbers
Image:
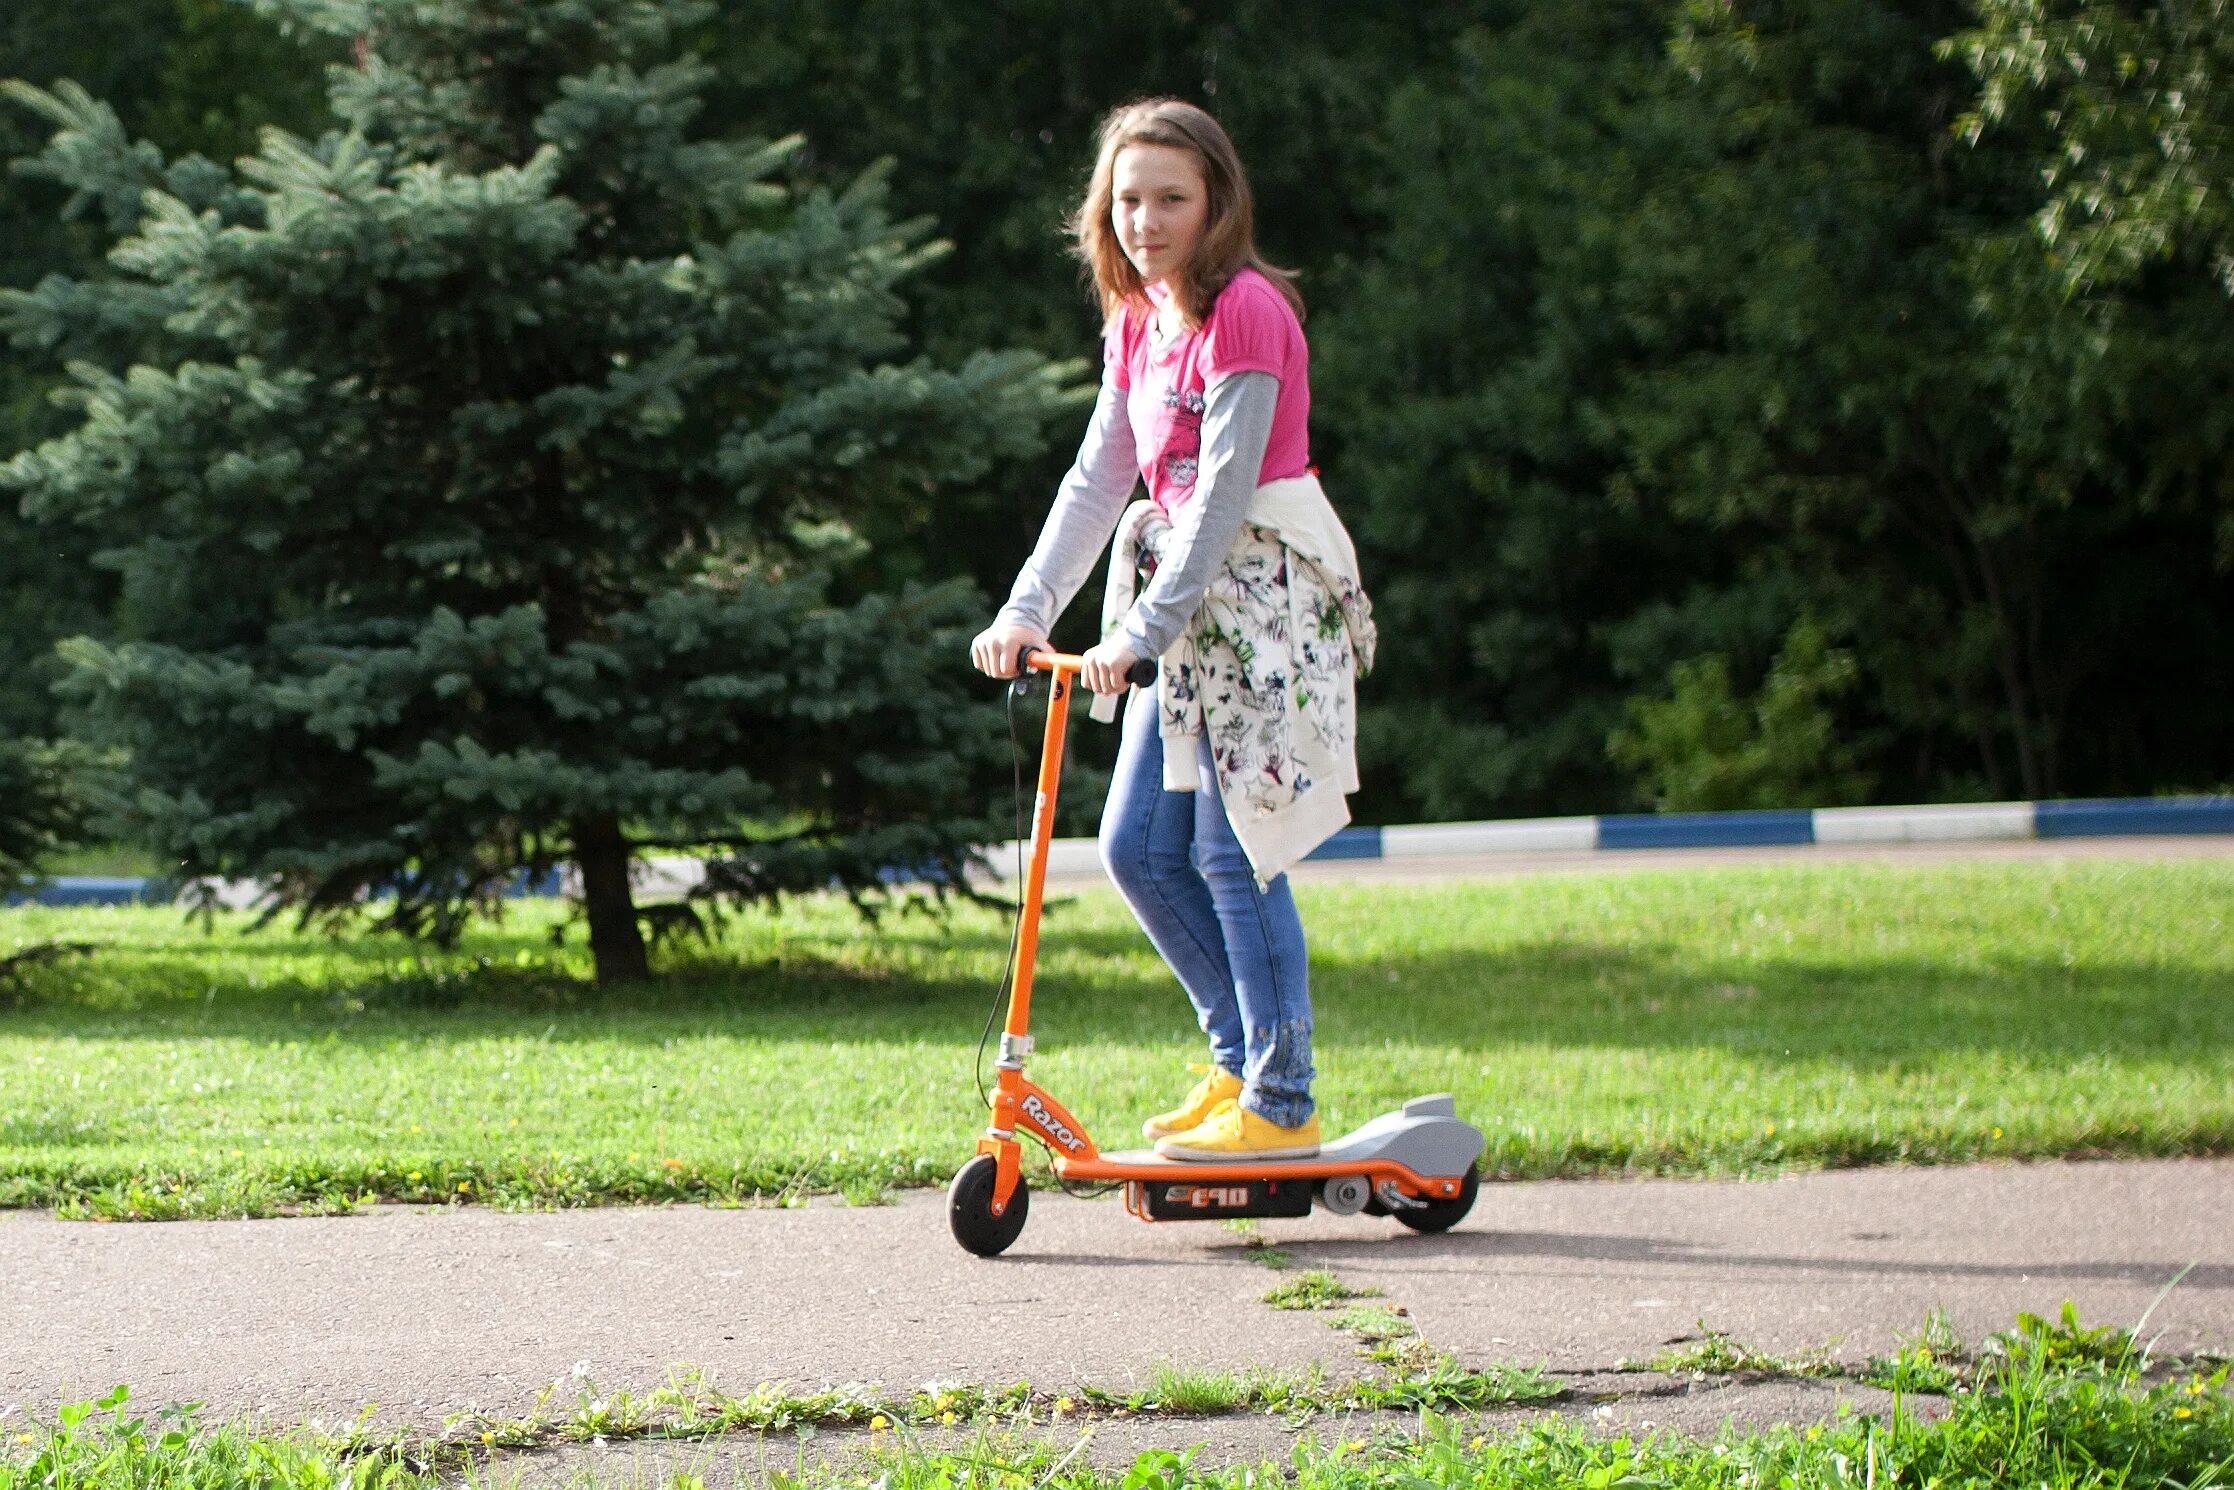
[
  {"x": 480, "y": 478},
  {"x": 38, "y": 807}
]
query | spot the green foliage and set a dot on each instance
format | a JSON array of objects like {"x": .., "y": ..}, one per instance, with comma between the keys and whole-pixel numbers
[
  {"x": 1703, "y": 749},
  {"x": 1744, "y": 332},
  {"x": 1464, "y": 357},
  {"x": 2139, "y": 104},
  {"x": 42, "y": 802},
  {"x": 1643, "y": 330},
  {"x": 477, "y": 474},
  {"x": 192, "y": 76}
]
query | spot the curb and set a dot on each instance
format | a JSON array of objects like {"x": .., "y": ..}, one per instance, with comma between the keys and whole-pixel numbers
[{"x": 670, "y": 877}]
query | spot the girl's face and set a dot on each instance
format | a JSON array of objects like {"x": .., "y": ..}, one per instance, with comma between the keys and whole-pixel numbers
[{"x": 1158, "y": 205}]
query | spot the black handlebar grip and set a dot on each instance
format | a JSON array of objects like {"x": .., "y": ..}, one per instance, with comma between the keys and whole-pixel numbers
[
  {"x": 1143, "y": 674},
  {"x": 1026, "y": 681}
]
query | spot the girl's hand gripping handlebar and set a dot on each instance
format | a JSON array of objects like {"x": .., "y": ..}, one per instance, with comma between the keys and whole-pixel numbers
[{"x": 1035, "y": 660}]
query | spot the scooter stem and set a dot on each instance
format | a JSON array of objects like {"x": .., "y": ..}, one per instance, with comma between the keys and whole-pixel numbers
[
  {"x": 1010, "y": 1087},
  {"x": 1062, "y": 669}
]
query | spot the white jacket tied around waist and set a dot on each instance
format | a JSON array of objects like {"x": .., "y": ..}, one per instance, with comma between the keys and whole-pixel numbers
[{"x": 1267, "y": 668}]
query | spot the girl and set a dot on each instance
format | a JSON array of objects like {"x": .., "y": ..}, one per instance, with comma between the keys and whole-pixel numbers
[{"x": 1235, "y": 764}]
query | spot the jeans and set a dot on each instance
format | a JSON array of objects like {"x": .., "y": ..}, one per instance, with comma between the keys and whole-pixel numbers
[{"x": 1238, "y": 953}]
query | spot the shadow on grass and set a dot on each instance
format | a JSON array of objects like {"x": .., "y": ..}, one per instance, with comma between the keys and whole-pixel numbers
[
  {"x": 819, "y": 973},
  {"x": 1471, "y": 1004}
]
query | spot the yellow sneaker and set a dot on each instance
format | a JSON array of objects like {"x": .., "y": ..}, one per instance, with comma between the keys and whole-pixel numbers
[
  {"x": 1220, "y": 1085},
  {"x": 1234, "y": 1132}
]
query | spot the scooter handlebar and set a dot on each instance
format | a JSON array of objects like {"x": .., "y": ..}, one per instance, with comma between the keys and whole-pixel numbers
[{"x": 1039, "y": 659}]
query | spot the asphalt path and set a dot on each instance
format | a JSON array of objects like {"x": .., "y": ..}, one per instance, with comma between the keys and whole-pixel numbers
[{"x": 422, "y": 1312}]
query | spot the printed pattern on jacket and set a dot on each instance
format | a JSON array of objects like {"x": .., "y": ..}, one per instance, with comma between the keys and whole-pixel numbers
[{"x": 1272, "y": 678}]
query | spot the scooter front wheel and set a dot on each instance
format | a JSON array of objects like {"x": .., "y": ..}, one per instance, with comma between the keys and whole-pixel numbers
[
  {"x": 969, "y": 1208},
  {"x": 1442, "y": 1215}
]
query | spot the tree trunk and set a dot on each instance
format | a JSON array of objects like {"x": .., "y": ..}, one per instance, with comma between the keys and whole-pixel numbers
[{"x": 616, "y": 942}]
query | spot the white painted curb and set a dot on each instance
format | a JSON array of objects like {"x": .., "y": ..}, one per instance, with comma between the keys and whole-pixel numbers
[{"x": 1965, "y": 822}]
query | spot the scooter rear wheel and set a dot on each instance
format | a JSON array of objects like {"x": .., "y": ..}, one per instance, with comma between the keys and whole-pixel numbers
[
  {"x": 969, "y": 1208},
  {"x": 1442, "y": 1215}
]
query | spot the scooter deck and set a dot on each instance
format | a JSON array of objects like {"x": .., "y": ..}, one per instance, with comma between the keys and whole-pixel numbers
[
  {"x": 1422, "y": 1147},
  {"x": 1147, "y": 1164}
]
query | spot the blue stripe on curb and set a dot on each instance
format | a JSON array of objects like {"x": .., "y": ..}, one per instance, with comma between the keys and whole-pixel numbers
[
  {"x": 1350, "y": 843},
  {"x": 2118, "y": 816},
  {"x": 542, "y": 886},
  {"x": 1705, "y": 829},
  {"x": 96, "y": 889}
]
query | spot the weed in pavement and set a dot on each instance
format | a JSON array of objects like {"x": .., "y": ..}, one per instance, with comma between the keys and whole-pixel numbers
[
  {"x": 2064, "y": 1341},
  {"x": 1931, "y": 1360},
  {"x": 1205, "y": 1393},
  {"x": 1373, "y": 1323},
  {"x": 1257, "y": 1247},
  {"x": 1430, "y": 1381},
  {"x": 1316, "y": 1289},
  {"x": 1911, "y": 1369},
  {"x": 1720, "y": 1355},
  {"x": 2037, "y": 1416}
]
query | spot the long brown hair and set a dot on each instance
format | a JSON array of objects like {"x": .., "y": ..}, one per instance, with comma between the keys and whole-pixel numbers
[{"x": 1228, "y": 244}]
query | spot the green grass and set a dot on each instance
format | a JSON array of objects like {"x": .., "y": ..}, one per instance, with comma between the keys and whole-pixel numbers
[
  {"x": 110, "y": 858},
  {"x": 1703, "y": 1022},
  {"x": 2066, "y": 1421}
]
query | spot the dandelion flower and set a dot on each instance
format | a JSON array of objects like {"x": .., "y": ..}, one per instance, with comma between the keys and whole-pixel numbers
[{"x": 879, "y": 1423}]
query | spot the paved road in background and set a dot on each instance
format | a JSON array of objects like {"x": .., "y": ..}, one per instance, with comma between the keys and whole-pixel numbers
[
  {"x": 1608, "y": 861},
  {"x": 426, "y": 1311}
]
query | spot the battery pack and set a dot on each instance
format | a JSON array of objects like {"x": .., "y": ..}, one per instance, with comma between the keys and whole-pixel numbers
[{"x": 1193, "y": 1200}]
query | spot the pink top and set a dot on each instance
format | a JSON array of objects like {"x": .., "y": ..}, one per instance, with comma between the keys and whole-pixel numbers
[{"x": 1251, "y": 328}]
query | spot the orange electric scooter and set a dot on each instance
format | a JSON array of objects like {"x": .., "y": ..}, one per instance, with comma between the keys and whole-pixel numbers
[{"x": 1418, "y": 1164}]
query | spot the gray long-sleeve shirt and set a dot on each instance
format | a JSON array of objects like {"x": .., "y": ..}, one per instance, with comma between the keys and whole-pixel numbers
[{"x": 1236, "y": 425}]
